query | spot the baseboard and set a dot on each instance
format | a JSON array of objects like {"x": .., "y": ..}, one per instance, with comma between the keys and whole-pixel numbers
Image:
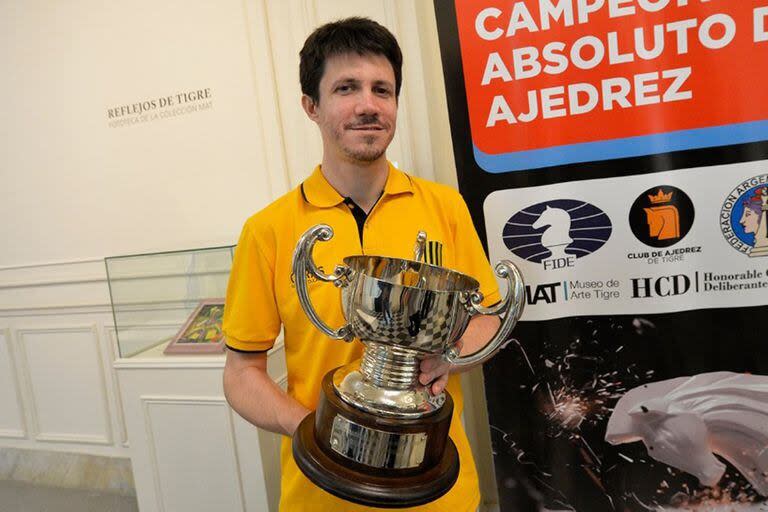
[{"x": 67, "y": 470}]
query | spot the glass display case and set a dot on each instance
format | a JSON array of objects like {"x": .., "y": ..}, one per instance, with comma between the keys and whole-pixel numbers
[{"x": 169, "y": 299}]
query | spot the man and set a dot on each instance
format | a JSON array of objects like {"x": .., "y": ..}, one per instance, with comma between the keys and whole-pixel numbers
[{"x": 350, "y": 74}]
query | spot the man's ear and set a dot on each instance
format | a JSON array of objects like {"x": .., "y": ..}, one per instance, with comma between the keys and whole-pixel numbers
[{"x": 309, "y": 106}]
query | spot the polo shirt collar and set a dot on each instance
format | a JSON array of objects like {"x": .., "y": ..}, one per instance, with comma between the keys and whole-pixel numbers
[{"x": 318, "y": 192}]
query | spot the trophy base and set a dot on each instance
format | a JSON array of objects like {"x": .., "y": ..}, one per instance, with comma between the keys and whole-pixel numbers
[{"x": 376, "y": 461}]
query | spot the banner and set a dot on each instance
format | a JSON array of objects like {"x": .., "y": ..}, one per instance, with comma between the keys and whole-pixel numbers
[
  {"x": 596, "y": 65},
  {"x": 615, "y": 150}
]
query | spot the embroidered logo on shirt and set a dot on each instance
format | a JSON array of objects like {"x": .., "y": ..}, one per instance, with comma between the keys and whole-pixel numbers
[{"x": 310, "y": 277}]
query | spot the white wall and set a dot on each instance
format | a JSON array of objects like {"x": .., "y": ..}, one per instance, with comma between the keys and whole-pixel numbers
[{"x": 77, "y": 186}]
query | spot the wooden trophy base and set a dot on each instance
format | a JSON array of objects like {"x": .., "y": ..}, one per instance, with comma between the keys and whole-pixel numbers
[{"x": 429, "y": 474}]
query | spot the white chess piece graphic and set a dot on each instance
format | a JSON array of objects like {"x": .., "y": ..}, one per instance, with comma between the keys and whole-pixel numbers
[
  {"x": 556, "y": 237},
  {"x": 684, "y": 421}
]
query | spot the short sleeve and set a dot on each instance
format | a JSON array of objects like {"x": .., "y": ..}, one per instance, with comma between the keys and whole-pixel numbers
[
  {"x": 470, "y": 255},
  {"x": 251, "y": 319}
]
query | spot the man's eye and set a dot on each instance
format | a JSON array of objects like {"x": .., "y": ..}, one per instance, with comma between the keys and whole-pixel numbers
[{"x": 344, "y": 88}]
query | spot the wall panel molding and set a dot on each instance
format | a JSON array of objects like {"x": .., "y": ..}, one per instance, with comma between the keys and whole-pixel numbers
[
  {"x": 150, "y": 402},
  {"x": 53, "y": 437},
  {"x": 112, "y": 352},
  {"x": 13, "y": 433},
  {"x": 60, "y": 287},
  {"x": 71, "y": 287},
  {"x": 56, "y": 310},
  {"x": 13, "y": 382},
  {"x": 56, "y": 272},
  {"x": 35, "y": 400}
]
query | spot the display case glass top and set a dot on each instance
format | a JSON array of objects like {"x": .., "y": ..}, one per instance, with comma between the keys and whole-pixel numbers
[{"x": 168, "y": 298}]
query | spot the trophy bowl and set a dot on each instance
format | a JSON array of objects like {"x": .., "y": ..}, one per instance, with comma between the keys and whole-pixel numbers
[{"x": 378, "y": 437}]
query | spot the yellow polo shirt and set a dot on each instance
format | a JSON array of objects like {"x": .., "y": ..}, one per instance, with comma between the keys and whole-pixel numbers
[{"x": 261, "y": 297}]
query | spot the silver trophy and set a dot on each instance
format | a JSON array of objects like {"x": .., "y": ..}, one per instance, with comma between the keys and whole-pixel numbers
[{"x": 378, "y": 437}]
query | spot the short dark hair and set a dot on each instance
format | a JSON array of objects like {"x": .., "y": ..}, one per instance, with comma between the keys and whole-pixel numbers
[{"x": 349, "y": 35}]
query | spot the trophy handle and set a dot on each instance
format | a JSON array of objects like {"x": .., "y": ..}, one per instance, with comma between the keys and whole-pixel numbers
[
  {"x": 511, "y": 308},
  {"x": 303, "y": 264}
]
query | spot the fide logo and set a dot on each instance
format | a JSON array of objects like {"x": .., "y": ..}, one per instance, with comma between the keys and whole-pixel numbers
[
  {"x": 556, "y": 233},
  {"x": 661, "y": 216}
]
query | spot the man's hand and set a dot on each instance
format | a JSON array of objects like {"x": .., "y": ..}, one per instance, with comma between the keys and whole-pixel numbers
[{"x": 434, "y": 370}]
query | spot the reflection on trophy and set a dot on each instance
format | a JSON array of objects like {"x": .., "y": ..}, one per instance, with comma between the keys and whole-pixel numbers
[{"x": 378, "y": 437}]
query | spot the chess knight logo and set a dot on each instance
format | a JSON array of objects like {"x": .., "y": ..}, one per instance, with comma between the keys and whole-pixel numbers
[
  {"x": 744, "y": 217},
  {"x": 663, "y": 220},
  {"x": 556, "y": 233},
  {"x": 661, "y": 216}
]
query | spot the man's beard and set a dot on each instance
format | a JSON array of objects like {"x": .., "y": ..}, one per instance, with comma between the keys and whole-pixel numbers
[{"x": 369, "y": 153}]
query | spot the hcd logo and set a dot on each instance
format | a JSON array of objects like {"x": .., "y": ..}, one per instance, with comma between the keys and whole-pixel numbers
[{"x": 555, "y": 233}]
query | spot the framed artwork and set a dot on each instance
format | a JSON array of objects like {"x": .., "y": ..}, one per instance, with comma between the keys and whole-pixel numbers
[{"x": 201, "y": 334}]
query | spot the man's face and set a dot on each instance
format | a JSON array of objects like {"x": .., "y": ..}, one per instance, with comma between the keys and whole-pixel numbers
[{"x": 357, "y": 111}]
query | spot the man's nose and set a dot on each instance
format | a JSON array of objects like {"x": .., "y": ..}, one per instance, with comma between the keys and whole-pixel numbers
[{"x": 367, "y": 104}]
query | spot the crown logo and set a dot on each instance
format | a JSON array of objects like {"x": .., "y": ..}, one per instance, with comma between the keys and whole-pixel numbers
[{"x": 661, "y": 197}]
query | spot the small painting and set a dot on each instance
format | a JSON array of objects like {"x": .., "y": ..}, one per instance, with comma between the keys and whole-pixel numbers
[{"x": 201, "y": 334}]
